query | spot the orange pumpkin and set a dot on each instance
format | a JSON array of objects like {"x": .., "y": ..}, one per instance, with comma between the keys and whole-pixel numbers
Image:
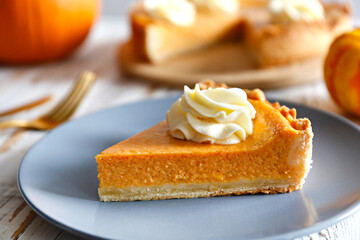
[
  {"x": 342, "y": 71},
  {"x": 42, "y": 30}
]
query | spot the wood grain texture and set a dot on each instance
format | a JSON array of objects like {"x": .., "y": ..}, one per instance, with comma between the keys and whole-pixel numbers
[{"x": 25, "y": 83}]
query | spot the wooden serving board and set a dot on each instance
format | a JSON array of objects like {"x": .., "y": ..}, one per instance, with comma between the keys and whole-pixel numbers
[{"x": 230, "y": 63}]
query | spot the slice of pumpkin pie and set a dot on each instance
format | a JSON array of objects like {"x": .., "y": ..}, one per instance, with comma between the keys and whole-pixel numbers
[
  {"x": 162, "y": 29},
  {"x": 216, "y": 141}
]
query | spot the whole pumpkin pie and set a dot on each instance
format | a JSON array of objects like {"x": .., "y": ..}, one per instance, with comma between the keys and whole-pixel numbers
[
  {"x": 276, "y": 32},
  {"x": 244, "y": 145}
]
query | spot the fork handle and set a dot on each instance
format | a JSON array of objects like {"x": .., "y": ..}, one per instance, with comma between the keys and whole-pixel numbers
[{"x": 14, "y": 123}]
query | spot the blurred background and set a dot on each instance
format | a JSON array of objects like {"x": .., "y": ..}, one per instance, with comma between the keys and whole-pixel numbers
[
  {"x": 116, "y": 7},
  {"x": 47, "y": 83}
]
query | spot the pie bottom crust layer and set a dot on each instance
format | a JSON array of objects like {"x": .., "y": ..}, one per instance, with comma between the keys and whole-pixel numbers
[{"x": 168, "y": 191}]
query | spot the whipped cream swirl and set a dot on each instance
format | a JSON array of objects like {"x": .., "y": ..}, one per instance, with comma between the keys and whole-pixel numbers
[
  {"x": 230, "y": 6},
  {"x": 178, "y": 12},
  {"x": 220, "y": 115},
  {"x": 285, "y": 11}
]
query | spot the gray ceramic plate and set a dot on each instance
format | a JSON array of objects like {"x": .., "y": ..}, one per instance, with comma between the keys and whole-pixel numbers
[{"x": 58, "y": 179}]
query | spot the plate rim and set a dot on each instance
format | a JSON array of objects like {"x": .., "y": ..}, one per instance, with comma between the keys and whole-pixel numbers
[{"x": 352, "y": 209}]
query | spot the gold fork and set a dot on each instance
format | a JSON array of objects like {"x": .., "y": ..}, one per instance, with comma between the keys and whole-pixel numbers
[{"x": 62, "y": 111}]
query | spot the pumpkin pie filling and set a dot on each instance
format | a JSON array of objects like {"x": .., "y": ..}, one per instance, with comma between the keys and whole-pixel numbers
[{"x": 275, "y": 158}]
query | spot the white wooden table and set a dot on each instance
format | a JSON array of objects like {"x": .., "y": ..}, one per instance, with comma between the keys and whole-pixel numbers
[{"x": 20, "y": 85}]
